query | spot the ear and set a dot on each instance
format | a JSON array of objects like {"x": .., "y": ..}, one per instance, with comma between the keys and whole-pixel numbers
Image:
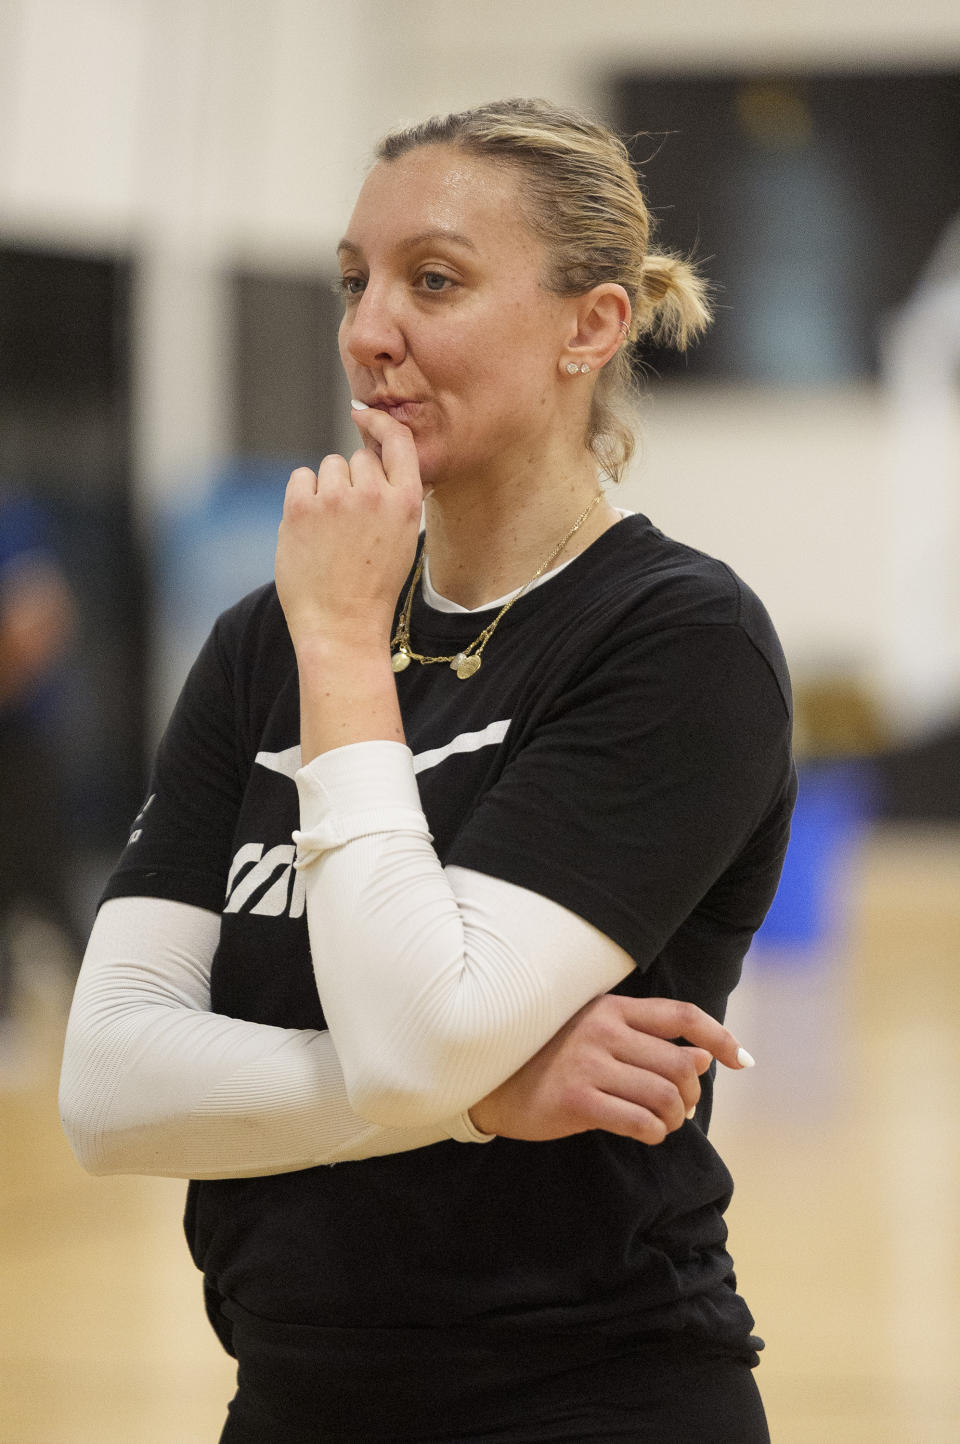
[{"x": 599, "y": 325}]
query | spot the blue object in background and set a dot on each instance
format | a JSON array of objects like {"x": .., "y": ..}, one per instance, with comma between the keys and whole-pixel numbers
[
  {"x": 221, "y": 544},
  {"x": 209, "y": 554},
  {"x": 834, "y": 802}
]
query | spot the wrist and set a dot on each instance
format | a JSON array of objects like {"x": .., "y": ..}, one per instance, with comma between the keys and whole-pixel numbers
[
  {"x": 480, "y": 1117},
  {"x": 343, "y": 643},
  {"x": 348, "y": 692}
]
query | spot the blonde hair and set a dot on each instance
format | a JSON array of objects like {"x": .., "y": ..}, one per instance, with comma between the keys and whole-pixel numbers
[{"x": 582, "y": 198}]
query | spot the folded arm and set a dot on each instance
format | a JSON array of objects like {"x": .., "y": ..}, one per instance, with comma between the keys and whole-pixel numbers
[
  {"x": 437, "y": 983},
  {"x": 155, "y": 1083}
]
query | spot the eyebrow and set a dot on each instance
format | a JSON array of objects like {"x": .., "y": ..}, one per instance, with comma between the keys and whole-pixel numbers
[{"x": 437, "y": 233}]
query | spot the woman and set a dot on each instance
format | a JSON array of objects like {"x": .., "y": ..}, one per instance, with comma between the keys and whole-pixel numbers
[{"x": 544, "y": 781}]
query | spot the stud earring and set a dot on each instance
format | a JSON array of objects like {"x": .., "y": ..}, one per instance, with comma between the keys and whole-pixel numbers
[
  {"x": 572, "y": 368},
  {"x": 584, "y": 369}
]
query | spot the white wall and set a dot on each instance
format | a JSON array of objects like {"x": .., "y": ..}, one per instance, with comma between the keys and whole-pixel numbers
[
  {"x": 786, "y": 487},
  {"x": 244, "y": 123},
  {"x": 203, "y": 132}
]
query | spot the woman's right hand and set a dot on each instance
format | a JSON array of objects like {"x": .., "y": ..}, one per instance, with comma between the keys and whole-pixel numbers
[{"x": 612, "y": 1067}]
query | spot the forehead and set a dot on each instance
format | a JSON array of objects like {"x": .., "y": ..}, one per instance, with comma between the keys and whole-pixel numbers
[{"x": 440, "y": 188}]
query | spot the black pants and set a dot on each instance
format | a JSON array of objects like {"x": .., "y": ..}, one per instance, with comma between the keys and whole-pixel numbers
[{"x": 665, "y": 1390}]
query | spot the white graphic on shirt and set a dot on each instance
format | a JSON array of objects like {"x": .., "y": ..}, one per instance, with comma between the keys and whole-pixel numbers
[
  {"x": 286, "y": 890},
  {"x": 271, "y": 877},
  {"x": 137, "y": 829},
  {"x": 488, "y": 736},
  {"x": 289, "y": 761}
]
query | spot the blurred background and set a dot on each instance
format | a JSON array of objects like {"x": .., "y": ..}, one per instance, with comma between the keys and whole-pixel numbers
[{"x": 174, "y": 175}]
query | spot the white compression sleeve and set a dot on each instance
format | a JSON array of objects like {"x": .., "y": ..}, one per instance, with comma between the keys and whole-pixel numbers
[
  {"x": 155, "y": 1083},
  {"x": 436, "y": 983}
]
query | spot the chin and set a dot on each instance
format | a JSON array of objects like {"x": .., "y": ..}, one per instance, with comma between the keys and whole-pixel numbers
[
  {"x": 443, "y": 462},
  {"x": 432, "y": 468}
]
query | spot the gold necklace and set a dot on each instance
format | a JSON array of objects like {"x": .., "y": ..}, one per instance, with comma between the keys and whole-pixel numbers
[{"x": 467, "y": 662}]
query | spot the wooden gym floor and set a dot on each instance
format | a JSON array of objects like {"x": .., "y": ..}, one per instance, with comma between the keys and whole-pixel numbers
[{"x": 844, "y": 1141}]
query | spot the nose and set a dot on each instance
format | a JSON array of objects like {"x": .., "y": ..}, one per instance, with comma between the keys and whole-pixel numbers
[{"x": 371, "y": 331}]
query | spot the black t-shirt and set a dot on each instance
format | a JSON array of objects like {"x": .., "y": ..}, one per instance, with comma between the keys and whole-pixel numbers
[{"x": 625, "y": 751}]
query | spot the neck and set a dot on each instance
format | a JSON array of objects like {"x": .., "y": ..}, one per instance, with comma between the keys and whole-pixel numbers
[{"x": 485, "y": 540}]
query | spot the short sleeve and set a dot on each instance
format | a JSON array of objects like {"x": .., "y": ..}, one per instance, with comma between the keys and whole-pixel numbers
[
  {"x": 643, "y": 785},
  {"x": 180, "y": 842}
]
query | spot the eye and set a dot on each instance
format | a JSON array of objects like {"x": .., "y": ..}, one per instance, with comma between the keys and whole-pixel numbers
[
  {"x": 435, "y": 281},
  {"x": 349, "y": 287}
]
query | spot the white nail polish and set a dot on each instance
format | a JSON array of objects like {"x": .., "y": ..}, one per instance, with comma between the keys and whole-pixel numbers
[
  {"x": 691, "y": 1111},
  {"x": 358, "y": 405},
  {"x": 744, "y": 1059}
]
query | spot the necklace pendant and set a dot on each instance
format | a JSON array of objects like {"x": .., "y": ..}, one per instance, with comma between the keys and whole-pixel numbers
[
  {"x": 400, "y": 660},
  {"x": 465, "y": 666}
]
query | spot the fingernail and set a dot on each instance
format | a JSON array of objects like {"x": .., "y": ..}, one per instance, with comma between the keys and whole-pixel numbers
[
  {"x": 744, "y": 1059},
  {"x": 691, "y": 1111},
  {"x": 358, "y": 405}
]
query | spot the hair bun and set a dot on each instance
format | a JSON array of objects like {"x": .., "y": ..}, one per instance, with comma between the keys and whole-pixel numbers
[{"x": 678, "y": 308}]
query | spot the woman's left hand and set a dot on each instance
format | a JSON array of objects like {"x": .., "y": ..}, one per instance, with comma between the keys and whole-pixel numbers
[
  {"x": 613, "y": 1066},
  {"x": 349, "y": 535}
]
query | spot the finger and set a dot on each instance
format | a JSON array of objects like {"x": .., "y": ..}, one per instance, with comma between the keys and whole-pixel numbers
[
  {"x": 652, "y": 1091},
  {"x": 680, "y": 1067},
  {"x": 392, "y": 441},
  {"x": 672, "y": 1018},
  {"x": 303, "y": 482},
  {"x": 333, "y": 473},
  {"x": 366, "y": 470},
  {"x": 613, "y": 1114},
  {"x": 701, "y": 1058},
  {"x": 398, "y": 450},
  {"x": 299, "y": 497}
]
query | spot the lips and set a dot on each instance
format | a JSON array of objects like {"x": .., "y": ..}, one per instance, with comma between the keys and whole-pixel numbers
[{"x": 401, "y": 408}]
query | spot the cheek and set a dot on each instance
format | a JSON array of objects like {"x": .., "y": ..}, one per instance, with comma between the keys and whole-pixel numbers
[
  {"x": 493, "y": 371},
  {"x": 346, "y": 361},
  {"x": 452, "y": 364}
]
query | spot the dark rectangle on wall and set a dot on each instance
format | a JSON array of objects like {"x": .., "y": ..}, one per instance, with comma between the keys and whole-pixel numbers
[
  {"x": 816, "y": 201},
  {"x": 288, "y": 388},
  {"x": 64, "y": 369},
  {"x": 65, "y": 445}
]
